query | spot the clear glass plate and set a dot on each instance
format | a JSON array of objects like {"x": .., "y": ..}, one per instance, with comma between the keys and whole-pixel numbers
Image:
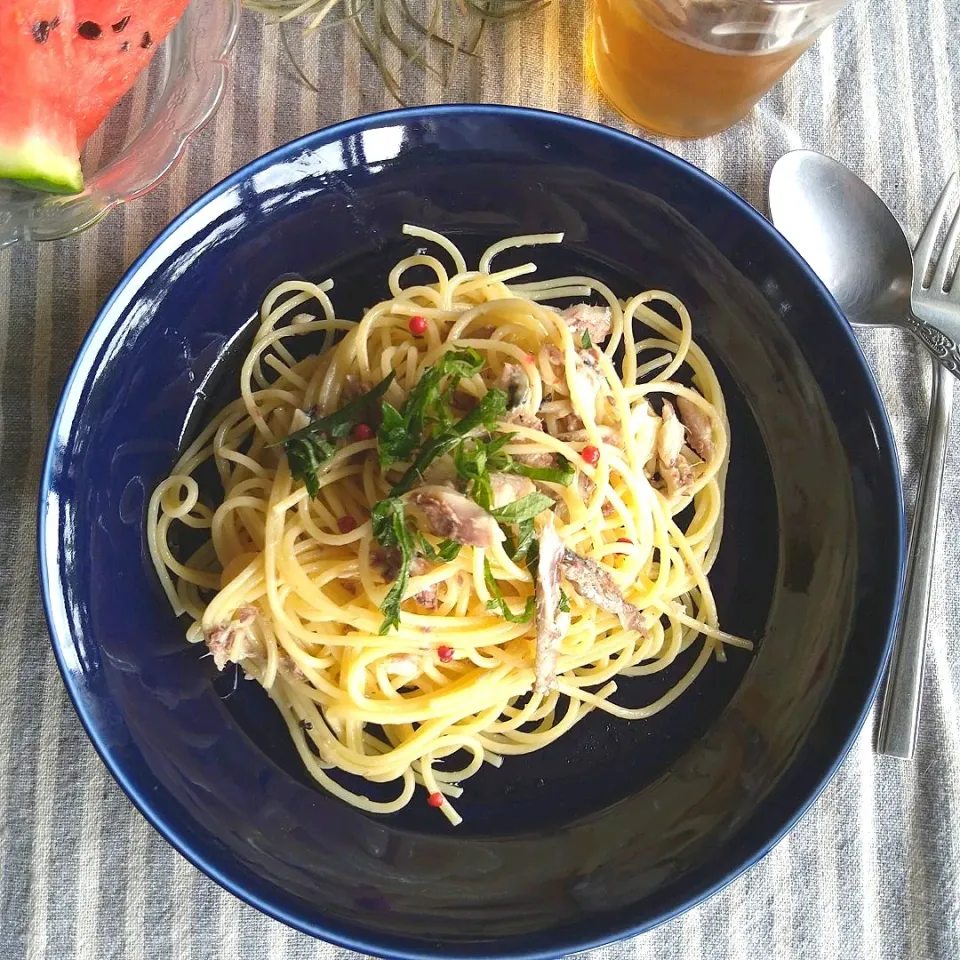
[{"x": 181, "y": 91}]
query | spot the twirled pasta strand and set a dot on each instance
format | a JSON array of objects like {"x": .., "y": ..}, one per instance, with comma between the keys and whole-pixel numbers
[{"x": 388, "y": 708}]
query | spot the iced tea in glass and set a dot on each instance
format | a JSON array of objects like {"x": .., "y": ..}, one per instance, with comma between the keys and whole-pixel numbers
[{"x": 689, "y": 68}]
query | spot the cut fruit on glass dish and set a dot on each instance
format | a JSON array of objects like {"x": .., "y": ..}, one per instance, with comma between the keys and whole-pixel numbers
[{"x": 171, "y": 100}]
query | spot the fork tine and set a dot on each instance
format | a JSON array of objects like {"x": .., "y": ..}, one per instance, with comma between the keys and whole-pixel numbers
[
  {"x": 939, "y": 282},
  {"x": 946, "y": 257},
  {"x": 924, "y": 250}
]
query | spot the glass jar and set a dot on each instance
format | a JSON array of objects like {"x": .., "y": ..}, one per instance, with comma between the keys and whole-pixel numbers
[{"x": 689, "y": 68}]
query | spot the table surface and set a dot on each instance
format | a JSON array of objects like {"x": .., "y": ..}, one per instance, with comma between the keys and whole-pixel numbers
[{"x": 870, "y": 872}]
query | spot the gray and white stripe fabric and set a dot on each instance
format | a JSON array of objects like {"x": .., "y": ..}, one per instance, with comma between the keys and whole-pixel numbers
[{"x": 873, "y": 871}]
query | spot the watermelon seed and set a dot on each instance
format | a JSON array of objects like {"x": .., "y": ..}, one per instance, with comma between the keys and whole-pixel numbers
[
  {"x": 125, "y": 46},
  {"x": 120, "y": 24},
  {"x": 41, "y": 30},
  {"x": 89, "y": 30},
  {"x": 54, "y": 23},
  {"x": 147, "y": 41}
]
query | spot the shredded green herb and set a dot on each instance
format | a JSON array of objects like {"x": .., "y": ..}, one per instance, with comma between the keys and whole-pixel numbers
[
  {"x": 426, "y": 426},
  {"x": 527, "y": 549},
  {"x": 309, "y": 449},
  {"x": 443, "y": 552},
  {"x": 402, "y": 431},
  {"x": 488, "y": 411},
  {"x": 307, "y": 456},
  {"x": 526, "y": 508},
  {"x": 475, "y": 460},
  {"x": 498, "y": 603},
  {"x": 394, "y": 442},
  {"x": 342, "y": 421},
  {"x": 563, "y": 473},
  {"x": 585, "y": 342},
  {"x": 391, "y": 531}
]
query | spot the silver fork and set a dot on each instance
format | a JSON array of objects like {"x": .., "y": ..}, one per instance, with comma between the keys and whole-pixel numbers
[{"x": 937, "y": 323}]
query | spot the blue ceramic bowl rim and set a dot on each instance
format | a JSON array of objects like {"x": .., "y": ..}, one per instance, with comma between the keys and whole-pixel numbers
[{"x": 86, "y": 354}]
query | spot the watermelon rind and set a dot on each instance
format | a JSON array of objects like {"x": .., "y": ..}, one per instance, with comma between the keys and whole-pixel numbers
[{"x": 39, "y": 163}]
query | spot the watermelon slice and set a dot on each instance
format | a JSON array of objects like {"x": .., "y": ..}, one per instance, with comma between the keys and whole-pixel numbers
[
  {"x": 114, "y": 41},
  {"x": 38, "y": 137}
]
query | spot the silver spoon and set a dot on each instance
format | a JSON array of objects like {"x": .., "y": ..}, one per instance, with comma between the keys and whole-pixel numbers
[{"x": 857, "y": 248}]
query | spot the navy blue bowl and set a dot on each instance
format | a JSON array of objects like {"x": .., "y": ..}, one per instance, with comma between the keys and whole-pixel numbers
[{"x": 618, "y": 826}]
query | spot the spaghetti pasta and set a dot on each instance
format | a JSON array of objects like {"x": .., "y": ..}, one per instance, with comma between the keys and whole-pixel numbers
[{"x": 442, "y": 536}]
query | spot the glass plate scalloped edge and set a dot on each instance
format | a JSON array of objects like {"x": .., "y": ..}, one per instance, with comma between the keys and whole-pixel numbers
[{"x": 192, "y": 85}]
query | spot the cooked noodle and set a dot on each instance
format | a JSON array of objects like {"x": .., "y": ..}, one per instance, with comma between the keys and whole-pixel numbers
[{"x": 292, "y": 586}]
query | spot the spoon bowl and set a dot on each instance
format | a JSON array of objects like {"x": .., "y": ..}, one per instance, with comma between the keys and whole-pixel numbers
[{"x": 847, "y": 235}]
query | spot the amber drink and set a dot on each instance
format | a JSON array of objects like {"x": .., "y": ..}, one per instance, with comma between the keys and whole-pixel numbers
[{"x": 689, "y": 68}]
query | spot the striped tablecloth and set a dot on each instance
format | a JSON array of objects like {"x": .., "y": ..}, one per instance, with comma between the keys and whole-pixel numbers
[{"x": 873, "y": 871}]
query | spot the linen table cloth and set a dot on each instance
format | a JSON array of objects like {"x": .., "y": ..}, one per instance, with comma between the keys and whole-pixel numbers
[{"x": 872, "y": 871}]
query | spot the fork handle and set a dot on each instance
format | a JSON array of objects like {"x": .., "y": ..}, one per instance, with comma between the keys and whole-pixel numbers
[
  {"x": 900, "y": 713},
  {"x": 938, "y": 343}
]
